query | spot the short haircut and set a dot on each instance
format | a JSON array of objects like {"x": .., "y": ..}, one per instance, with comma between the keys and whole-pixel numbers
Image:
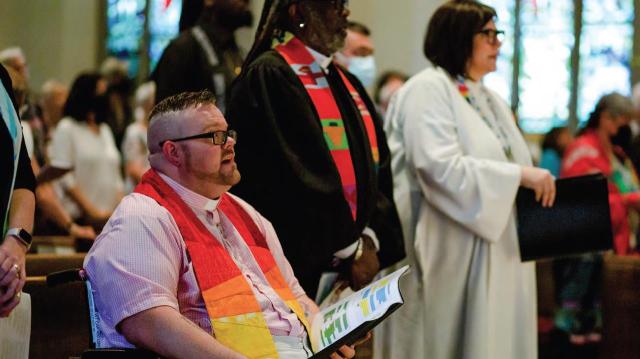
[
  {"x": 181, "y": 102},
  {"x": 449, "y": 39},
  {"x": 359, "y": 28},
  {"x": 81, "y": 96}
]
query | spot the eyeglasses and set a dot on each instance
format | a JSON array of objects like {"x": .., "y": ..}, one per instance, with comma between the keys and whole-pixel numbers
[
  {"x": 493, "y": 36},
  {"x": 217, "y": 137}
]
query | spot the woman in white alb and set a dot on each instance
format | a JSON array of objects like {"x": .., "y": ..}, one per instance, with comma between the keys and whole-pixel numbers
[{"x": 458, "y": 160}]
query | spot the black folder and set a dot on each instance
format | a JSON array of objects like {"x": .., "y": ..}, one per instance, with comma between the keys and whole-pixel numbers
[{"x": 579, "y": 221}]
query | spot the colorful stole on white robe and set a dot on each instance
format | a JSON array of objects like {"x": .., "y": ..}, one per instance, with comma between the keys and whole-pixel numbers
[{"x": 315, "y": 82}]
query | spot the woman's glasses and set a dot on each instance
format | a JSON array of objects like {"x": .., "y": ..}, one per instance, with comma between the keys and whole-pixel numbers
[{"x": 493, "y": 36}]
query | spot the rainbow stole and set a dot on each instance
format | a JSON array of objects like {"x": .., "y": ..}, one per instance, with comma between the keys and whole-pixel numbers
[
  {"x": 236, "y": 317},
  {"x": 315, "y": 82}
]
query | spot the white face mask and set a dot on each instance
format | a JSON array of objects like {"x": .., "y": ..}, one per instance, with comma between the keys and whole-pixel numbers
[{"x": 364, "y": 68}]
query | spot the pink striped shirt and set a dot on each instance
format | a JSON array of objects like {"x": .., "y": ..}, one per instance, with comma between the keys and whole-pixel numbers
[{"x": 139, "y": 262}]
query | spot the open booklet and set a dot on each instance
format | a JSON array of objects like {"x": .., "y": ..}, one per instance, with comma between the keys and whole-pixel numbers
[{"x": 351, "y": 318}]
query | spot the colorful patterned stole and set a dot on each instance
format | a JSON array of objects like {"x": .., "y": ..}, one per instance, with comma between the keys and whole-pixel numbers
[
  {"x": 315, "y": 82},
  {"x": 236, "y": 317}
]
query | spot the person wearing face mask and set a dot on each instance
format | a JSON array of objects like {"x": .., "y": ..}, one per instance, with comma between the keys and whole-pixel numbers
[
  {"x": 387, "y": 85},
  {"x": 357, "y": 53},
  {"x": 84, "y": 156},
  {"x": 205, "y": 56},
  {"x": 594, "y": 151}
]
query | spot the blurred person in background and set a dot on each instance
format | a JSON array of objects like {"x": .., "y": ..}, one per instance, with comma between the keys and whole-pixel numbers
[
  {"x": 357, "y": 53},
  {"x": 119, "y": 88},
  {"x": 134, "y": 145},
  {"x": 387, "y": 85},
  {"x": 83, "y": 145},
  {"x": 554, "y": 144},
  {"x": 578, "y": 279},
  {"x": 14, "y": 57},
  {"x": 51, "y": 217},
  {"x": 205, "y": 56}
]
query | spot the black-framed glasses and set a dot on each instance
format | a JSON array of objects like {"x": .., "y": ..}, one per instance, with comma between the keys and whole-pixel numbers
[
  {"x": 493, "y": 36},
  {"x": 217, "y": 137}
]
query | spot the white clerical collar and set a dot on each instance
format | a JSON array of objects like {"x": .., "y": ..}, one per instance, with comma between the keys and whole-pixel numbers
[
  {"x": 321, "y": 59},
  {"x": 192, "y": 199}
]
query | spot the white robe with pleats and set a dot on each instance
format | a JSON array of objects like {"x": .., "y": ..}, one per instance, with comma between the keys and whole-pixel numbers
[{"x": 468, "y": 296}]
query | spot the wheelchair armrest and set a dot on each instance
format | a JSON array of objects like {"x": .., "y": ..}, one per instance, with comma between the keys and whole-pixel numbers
[{"x": 65, "y": 276}]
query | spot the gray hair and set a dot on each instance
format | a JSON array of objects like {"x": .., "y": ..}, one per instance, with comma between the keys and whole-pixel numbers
[{"x": 11, "y": 54}]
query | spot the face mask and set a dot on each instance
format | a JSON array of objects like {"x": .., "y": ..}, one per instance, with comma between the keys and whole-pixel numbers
[
  {"x": 364, "y": 68},
  {"x": 623, "y": 137}
]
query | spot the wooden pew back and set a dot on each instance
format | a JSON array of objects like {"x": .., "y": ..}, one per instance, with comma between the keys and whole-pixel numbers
[
  {"x": 60, "y": 324},
  {"x": 621, "y": 307}
]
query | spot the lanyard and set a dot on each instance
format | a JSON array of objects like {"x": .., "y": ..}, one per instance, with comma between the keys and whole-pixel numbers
[{"x": 494, "y": 125}]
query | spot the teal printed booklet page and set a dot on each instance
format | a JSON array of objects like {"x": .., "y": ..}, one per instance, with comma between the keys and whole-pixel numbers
[{"x": 351, "y": 318}]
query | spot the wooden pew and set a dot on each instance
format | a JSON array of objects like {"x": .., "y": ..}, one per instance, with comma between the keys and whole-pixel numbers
[
  {"x": 43, "y": 264},
  {"x": 60, "y": 324},
  {"x": 621, "y": 307},
  {"x": 54, "y": 244}
]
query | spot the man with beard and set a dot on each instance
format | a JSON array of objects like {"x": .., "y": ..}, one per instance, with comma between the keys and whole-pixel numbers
[
  {"x": 182, "y": 259},
  {"x": 205, "y": 56},
  {"x": 312, "y": 133}
]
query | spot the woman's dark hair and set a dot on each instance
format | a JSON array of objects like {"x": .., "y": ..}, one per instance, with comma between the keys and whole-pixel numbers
[
  {"x": 82, "y": 95},
  {"x": 550, "y": 140},
  {"x": 614, "y": 104},
  {"x": 449, "y": 39}
]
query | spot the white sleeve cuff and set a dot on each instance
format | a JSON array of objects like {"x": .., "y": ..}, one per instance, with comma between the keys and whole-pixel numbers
[
  {"x": 351, "y": 249},
  {"x": 372, "y": 234}
]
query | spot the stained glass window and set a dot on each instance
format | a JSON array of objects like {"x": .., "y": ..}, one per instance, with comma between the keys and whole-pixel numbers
[
  {"x": 605, "y": 51},
  {"x": 500, "y": 81},
  {"x": 547, "y": 40},
  {"x": 545, "y": 43},
  {"x": 164, "y": 18},
  {"x": 125, "y": 23},
  {"x": 125, "y": 29}
]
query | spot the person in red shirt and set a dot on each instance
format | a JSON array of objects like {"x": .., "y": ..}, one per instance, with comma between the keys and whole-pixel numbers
[{"x": 578, "y": 279}]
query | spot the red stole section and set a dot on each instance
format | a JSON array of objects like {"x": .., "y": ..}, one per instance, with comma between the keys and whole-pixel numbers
[
  {"x": 315, "y": 82},
  {"x": 212, "y": 264}
]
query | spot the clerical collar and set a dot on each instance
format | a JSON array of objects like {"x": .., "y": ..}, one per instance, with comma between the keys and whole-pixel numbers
[
  {"x": 192, "y": 199},
  {"x": 322, "y": 60}
]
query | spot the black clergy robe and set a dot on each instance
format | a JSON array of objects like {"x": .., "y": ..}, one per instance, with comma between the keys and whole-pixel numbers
[
  {"x": 289, "y": 176},
  {"x": 185, "y": 66}
]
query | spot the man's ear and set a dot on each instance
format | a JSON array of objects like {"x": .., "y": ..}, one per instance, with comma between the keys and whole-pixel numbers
[{"x": 172, "y": 153}]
